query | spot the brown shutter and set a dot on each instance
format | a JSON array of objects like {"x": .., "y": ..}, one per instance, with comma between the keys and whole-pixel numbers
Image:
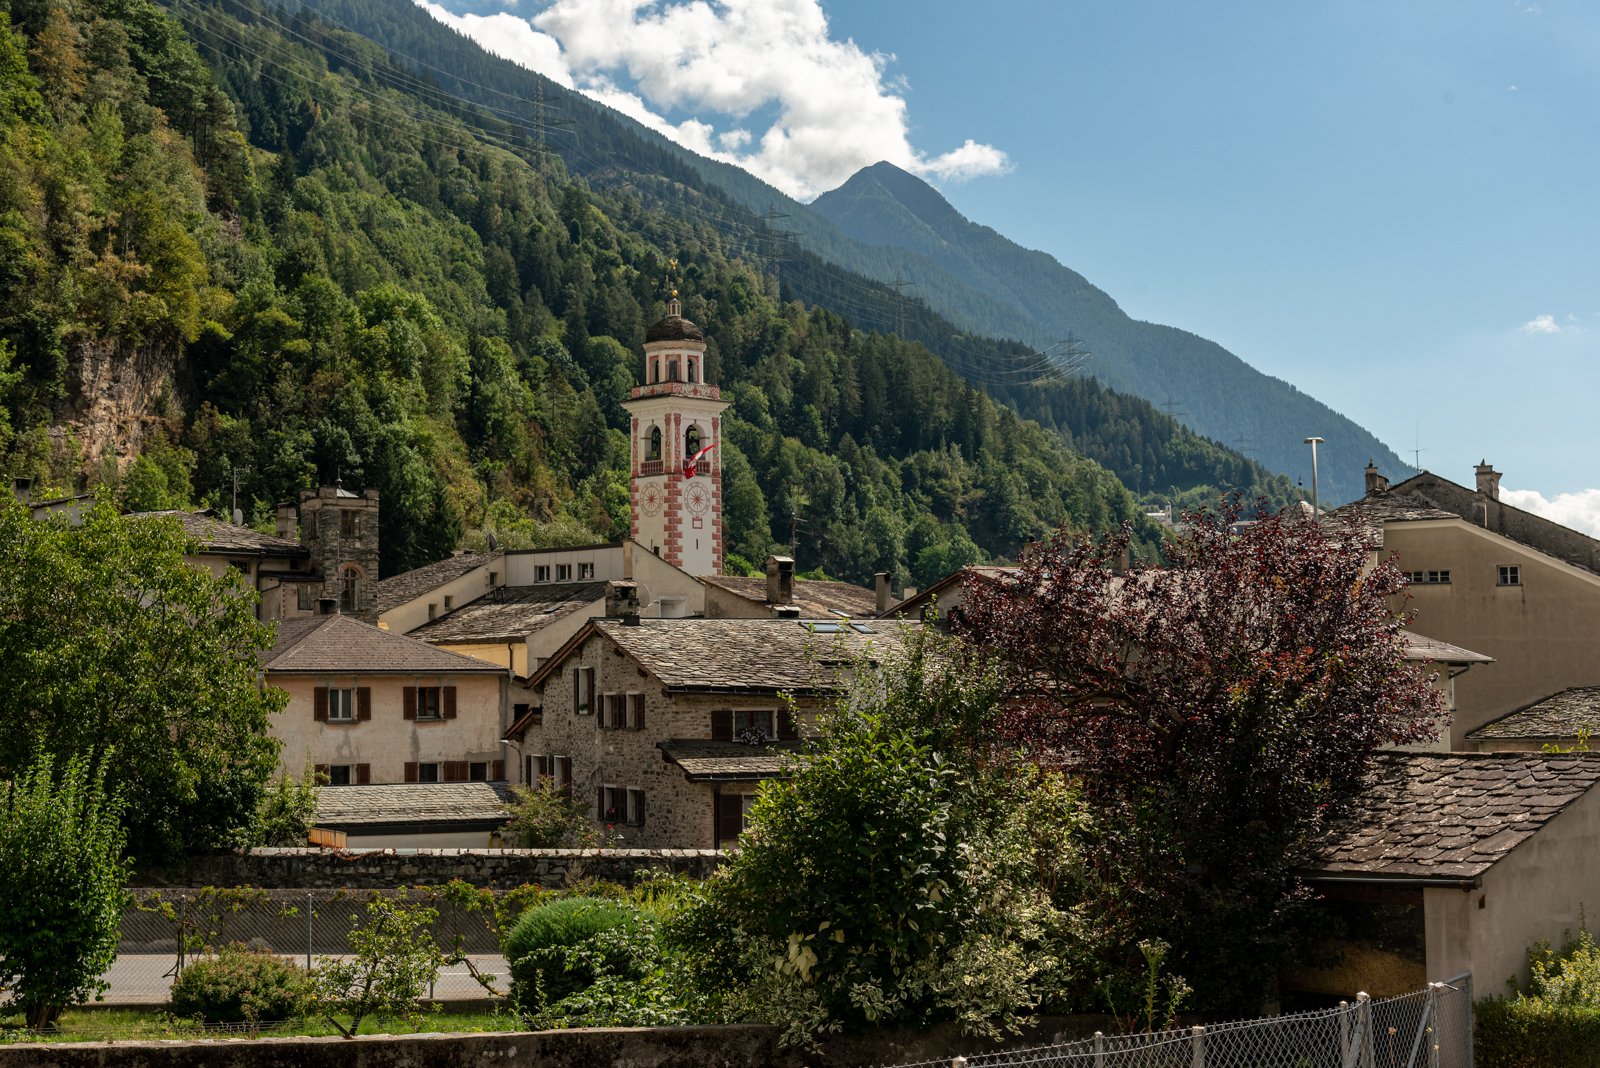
[
  {"x": 588, "y": 687},
  {"x": 722, "y": 725},
  {"x": 319, "y": 704},
  {"x": 565, "y": 771},
  {"x": 411, "y": 769},
  {"x": 409, "y": 711},
  {"x": 364, "y": 702},
  {"x": 498, "y": 773},
  {"x": 730, "y": 821},
  {"x": 638, "y": 711},
  {"x": 363, "y": 774},
  {"x": 321, "y": 771},
  {"x": 788, "y": 730},
  {"x": 449, "y": 702},
  {"x": 600, "y": 806}
]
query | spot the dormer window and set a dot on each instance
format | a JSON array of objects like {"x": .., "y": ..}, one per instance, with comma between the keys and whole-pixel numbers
[{"x": 655, "y": 444}]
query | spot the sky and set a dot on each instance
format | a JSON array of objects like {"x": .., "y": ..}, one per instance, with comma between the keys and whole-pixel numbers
[{"x": 1391, "y": 205}]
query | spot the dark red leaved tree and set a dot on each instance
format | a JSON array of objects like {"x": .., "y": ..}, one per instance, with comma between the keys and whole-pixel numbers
[{"x": 1216, "y": 709}]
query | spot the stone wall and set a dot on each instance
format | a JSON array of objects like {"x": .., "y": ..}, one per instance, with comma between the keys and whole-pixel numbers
[{"x": 495, "y": 869}]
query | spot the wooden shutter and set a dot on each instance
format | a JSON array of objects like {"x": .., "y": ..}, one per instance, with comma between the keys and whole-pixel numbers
[
  {"x": 600, "y": 806},
  {"x": 411, "y": 768},
  {"x": 588, "y": 687},
  {"x": 564, "y": 771},
  {"x": 409, "y": 700},
  {"x": 363, "y": 774},
  {"x": 364, "y": 702},
  {"x": 636, "y": 720},
  {"x": 319, "y": 704},
  {"x": 321, "y": 771},
  {"x": 730, "y": 821},
  {"x": 577, "y": 689},
  {"x": 722, "y": 725},
  {"x": 527, "y": 772},
  {"x": 455, "y": 771},
  {"x": 449, "y": 702},
  {"x": 498, "y": 772},
  {"x": 788, "y": 729},
  {"x": 636, "y": 807}
]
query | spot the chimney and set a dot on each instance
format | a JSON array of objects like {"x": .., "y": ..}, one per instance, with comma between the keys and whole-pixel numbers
[
  {"x": 884, "y": 580},
  {"x": 787, "y": 611},
  {"x": 622, "y": 600},
  {"x": 21, "y": 488},
  {"x": 1480, "y": 507},
  {"x": 780, "y": 580},
  {"x": 1488, "y": 480},
  {"x": 1376, "y": 483},
  {"x": 288, "y": 524}
]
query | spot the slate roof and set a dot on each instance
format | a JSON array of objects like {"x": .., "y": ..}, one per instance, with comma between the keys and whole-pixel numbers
[
  {"x": 736, "y": 656},
  {"x": 1449, "y": 814},
  {"x": 1560, "y": 716},
  {"x": 396, "y": 590},
  {"x": 216, "y": 536},
  {"x": 1387, "y": 507},
  {"x": 704, "y": 761},
  {"x": 439, "y": 806},
  {"x": 345, "y": 646},
  {"x": 511, "y": 613},
  {"x": 673, "y": 328},
  {"x": 941, "y": 589},
  {"x": 1421, "y": 647},
  {"x": 815, "y": 598}
]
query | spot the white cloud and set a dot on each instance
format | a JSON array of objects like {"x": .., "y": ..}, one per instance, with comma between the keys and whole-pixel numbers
[
  {"x": 1541, "y": 324},
  {"x": 1580, "y": 511},
  {"x": 834, "y": 112}
]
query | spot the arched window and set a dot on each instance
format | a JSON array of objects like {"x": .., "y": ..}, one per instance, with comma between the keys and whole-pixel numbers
[
  {"x": 350, "y": 591},
  {"x": 655, "y": 443},
  {"x": 672, "y": 368},
  {"x": 691, "y": 377},
  {"x": 691, "y": 442},
  {"x": 655, "y": 370}
]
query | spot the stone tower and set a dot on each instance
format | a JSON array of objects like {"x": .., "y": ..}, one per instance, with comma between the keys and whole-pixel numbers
[
  {"x": 341, "y": 530},
  {"x": 677, "y": 502}
]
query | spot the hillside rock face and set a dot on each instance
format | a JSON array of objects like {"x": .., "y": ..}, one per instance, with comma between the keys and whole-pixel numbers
[{"x": 115, "y": 390}]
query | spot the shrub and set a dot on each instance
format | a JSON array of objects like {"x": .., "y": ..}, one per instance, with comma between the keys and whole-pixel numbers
[
  {"x": 1533, "y": 1033},
  {"x": 240, "y": 983},
  {"x": 548, "y": 818},
  {"x": 544, "y": 968},
  {"x": 396, "y": 959}
]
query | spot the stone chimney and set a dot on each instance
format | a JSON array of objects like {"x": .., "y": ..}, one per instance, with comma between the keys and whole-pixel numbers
[
  {"x": 1376, "y": 483},
  {"x": 622, "y": 600},
  {"x": 780, "y": 580},
  {"x": 21, "y": 489},
  {"x": 1488, "y": 480},
  {"x": 288, "y": 521},
  {"x": 884, "y": 580},
  {"x": 787, "y": 611}
]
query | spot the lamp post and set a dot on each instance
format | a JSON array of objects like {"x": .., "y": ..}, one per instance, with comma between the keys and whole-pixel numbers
[{"x": 1316, "y": 507}]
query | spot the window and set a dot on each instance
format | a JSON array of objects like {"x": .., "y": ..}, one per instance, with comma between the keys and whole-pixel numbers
[
  {"x": 1510, "y": 576},
  {"x": 655, "y": 444},
  {"x": 1429, "y": 578},
  {"x": 586, "y": 571},
  {"x": 744, "y": 722},
  {"x": 449, "y": 603},
  {"x": 636, "y": 711},
  {"x": 340, "y": 707},
  {"x": 672, "y": 368},
  {"x": 477, "y": 771},
  {"x": 541, "y": 573},
  {"x": 746, "y": 806},
  {"x": 428, "y": 702},
  {"x": 433, "y": 611},
  {"x": 304, "y": 599},
  {"x": 352, "y": 590},
  {"x": 427, "y": 773},
  {"x": 563, "y": 572},
  {"x": 563, "y": 772},
  {"x": 823, "y": 628},
  {"x": 583, "y": 690},
  {"x": 339, "y": 775},
  {"x": 655, "y": 371},
  {"x": 241, "y": 566},
  {"x": 691, "y": 376},
  {"x": 691, "y": 442},
  {"x": 635, "y": 808},
  {"x": 349, "y": 523},
  {"x": 611, "y": 711}
]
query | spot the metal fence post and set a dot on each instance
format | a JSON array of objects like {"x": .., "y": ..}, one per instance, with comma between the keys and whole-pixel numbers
[
  {"x": 1197, "y": 1043},
  {"x": 308, "y": 932},
  {"x": 1099, "y": 1049},
  {"x": 1364, "y": 1029},
  {"x": 1344, "y": 1032}
]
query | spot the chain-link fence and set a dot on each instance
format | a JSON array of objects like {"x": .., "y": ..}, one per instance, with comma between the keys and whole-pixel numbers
[
  {"x": 1431, "y": 1028},
  {"x": 169, "y": 929}
]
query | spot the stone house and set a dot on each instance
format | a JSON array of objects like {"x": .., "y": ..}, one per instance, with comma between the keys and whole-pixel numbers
[
  {"x": 1566, "y": 720},
  {"x": 1477, "y": 855},
  {"x": 1491, "y": 578},
  {"x": 648, "y": 720},
  {"x": 372, "y": 707}
]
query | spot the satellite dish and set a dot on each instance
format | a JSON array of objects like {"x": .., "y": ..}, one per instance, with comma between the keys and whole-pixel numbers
[
  {"x": 644, "y": 595},
  {"x": 492, "y": 543}
]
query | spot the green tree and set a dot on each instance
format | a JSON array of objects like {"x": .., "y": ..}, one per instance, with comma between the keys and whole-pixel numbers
[
  {"x": 61, "y": 901},
  {"x": 395, "y": 961},
  {"x": 119, "y": 642},
  {"x": 289, "y": 808}
]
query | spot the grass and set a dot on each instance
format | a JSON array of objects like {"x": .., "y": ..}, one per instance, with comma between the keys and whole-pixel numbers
[{"x": 126, "y": 1025}]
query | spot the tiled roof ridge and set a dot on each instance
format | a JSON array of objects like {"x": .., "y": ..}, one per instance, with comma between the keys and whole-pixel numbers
[
  {"x": 281, "y": 659},
  {"x": 305, "y": 626}
]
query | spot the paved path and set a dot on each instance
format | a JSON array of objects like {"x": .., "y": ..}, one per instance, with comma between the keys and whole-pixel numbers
[{"x": 137, "y": 979}]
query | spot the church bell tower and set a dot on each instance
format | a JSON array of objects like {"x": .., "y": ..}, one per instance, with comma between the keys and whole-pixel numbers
[{"x": 676, "y": 459}]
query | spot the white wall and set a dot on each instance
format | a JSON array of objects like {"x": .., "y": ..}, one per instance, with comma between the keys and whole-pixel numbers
[
  {"x": 519, "y": 564},
  {"x": 462, "y": 589}
]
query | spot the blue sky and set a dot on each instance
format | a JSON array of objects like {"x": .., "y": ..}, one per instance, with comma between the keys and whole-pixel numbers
[{"x": 1375, "y": 201}]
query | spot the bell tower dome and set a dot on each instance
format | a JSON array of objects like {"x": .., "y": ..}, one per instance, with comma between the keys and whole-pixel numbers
[{"x": 676, "y": 461}]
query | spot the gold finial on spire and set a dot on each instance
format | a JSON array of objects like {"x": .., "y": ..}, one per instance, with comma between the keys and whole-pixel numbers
[{"x": 673, "y": 307}]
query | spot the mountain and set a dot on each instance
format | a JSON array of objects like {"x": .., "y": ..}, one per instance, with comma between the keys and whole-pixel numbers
[{"x": 1223, "y": 396}]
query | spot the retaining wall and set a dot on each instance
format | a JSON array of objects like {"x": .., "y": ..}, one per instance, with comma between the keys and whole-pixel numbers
[{"x": 381, "y": 869}]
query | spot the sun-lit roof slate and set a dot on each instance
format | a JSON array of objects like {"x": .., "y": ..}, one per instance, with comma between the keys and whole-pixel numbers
[
  {"x": 511, "y": 613},
  {"x": 1561, "y": 715},
  {"x": 396, "y": 590},
  {"x": 441, "y": 806},
  {"x": 214, "y": 535},
  {"x": 706, "y": 761},
  {"x": 342, "y": 645},
  {"x": 816, "y": 598}
]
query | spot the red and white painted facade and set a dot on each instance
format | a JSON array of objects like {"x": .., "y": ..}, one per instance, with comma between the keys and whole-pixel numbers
[{"x": 677, "y": 514}]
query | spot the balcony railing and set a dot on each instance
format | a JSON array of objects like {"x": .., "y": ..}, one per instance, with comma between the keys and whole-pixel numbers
[
  {"x": 652, "y": 467},
  {"x": 703, "y": 467}
]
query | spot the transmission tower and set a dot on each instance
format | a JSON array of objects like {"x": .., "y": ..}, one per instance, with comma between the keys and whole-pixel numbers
[
  {"x": 1173, "y": 411},
  {"x": 900, "y": 300},
  {"x": 1241, "y": 445},
  {"x": 780, "y": 239},
  {"x": 1073, "y": 355},
  {"x": 541, "y": 121}
]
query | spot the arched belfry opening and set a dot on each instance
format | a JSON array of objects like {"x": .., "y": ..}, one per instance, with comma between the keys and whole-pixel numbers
[
  {"x": 691, "y": 442},
  {"x": 654, "y": 452}
]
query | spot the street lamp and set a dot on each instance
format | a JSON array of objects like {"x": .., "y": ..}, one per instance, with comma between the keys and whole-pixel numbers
[{"x": 1316, "y": 509}]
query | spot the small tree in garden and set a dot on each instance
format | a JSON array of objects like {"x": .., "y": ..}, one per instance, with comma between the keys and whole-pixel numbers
[
  {"x": 289, "y": 808},
  {"x": 61, "y": 887},
  {"x": 396, "y": 961},
  {"x": 548, "y": 818},
  {"x": 1215, "y": 710}
]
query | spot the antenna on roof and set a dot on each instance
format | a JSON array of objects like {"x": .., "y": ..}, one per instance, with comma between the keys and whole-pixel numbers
[{"x": 493, "y": 544}]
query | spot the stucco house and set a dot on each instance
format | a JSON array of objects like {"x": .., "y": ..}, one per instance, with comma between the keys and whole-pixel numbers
[
  {"x": 650, "y": 720},
  {"x": 373, "y": 707},
  {"x": 779, "y": 594},
  {"x": 1491, "y": 578},
  {"x": 408, "y": 600},
  {"x": 1482, "y": 854}
]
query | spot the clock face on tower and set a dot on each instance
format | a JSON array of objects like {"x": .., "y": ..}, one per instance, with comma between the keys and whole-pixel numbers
[
  {"x": 650, "y": 498},
  {"x": 698, "y": 498}
]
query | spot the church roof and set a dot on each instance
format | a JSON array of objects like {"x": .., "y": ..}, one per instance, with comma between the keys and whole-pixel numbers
[{"x": 674, "y": 328}]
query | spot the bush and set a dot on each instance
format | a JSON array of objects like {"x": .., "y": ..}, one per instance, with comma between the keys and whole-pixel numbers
[
  {"x": 240, "y": 983},
  {"x": 548, "y": 818},
  {"x": 1533, "y": 1033},
  {"x": 543, "y": 970}
]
